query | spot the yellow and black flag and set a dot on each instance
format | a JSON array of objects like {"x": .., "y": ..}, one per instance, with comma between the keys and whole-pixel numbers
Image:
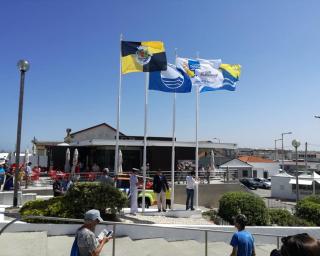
[{"x": 143, "y": 56}]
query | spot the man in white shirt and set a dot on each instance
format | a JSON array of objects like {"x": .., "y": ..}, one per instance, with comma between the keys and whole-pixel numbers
[
  {"x": 133, "y": 192},
  {"x": 28, "y": 173},
  {"x": 191, "y": 183}
]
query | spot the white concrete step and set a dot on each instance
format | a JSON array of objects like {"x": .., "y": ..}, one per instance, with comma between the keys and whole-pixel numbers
[{"x": 23, "y": 244}]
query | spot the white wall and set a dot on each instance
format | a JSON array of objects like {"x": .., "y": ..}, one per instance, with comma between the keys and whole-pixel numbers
[
  {"x": 271, "y": 168},
  {"x": 281, "y": 188}
]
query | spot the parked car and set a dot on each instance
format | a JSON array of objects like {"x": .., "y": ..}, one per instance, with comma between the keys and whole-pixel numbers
[
  {"x": 263, "y": 183},
  {"x": 249, "y": 183}
]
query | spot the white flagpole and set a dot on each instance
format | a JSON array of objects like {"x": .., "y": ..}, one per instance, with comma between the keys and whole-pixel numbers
[
  {"x": 116, "y": 156},
  {"x": 145, "y": 142},
  {"x": 173, "y": 141},
  {"x": 197, "y": 144}
]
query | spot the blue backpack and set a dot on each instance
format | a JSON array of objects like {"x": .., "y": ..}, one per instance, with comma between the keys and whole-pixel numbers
[{"x": 75, "y": 248}]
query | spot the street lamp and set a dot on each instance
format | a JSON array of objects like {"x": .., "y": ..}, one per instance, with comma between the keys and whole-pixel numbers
[
  {"x": 23, "y": 66},
  {"x": 216, "y": 139},
  {"x": 316, "y": 116},
  {"x": 275, "y": 149},
  {"x": 282, "y": 134},
  {"x": 296, "y": 144}
]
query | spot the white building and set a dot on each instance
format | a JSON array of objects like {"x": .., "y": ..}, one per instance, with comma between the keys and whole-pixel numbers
[{"x": 284, "y": 185}]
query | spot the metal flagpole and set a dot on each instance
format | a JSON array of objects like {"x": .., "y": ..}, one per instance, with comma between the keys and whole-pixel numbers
[
  {"x": 116, "y": 156},
  {"x": 145, "y": 142},
  {"x": 173, "y": 148},
  {"x": 173, "y": 141},
  {"x": 197, "y": 144}
]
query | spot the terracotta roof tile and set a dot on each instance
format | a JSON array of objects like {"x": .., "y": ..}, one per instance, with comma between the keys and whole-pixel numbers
[{"x": 254, "y": 159}]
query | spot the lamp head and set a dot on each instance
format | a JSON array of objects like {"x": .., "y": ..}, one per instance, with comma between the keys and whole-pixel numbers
[
  {"x": 23, "y": 65},
  {"x": 295, "y": 143}
]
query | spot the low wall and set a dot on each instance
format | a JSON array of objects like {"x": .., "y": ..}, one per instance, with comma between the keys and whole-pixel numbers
[
  {"x": 209, "y": 194},
  {"x": 6, "y": 197},
  {"x": 170, "y": 234}
]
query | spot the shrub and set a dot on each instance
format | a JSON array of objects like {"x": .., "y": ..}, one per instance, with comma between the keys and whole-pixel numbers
[
  {"x": 253, "y": 207},
  {"x": 213, "y": 216},
  {"x": 80, "y": 198},
  {"x": 309, "y": 209},
  {"x": 283, "y": 217}
]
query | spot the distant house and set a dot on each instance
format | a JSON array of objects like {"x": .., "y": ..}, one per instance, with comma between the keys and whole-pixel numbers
[
  {"x": 251, "y": 167},
  {"x": 284, "y": 185},
  {"x": 261, "y": 167}
]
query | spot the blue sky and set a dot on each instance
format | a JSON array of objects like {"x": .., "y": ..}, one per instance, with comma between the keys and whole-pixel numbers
[{"x": 73, "y": 48}]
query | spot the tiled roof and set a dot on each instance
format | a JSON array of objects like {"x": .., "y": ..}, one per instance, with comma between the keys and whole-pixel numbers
[{"x": 254, "y": 159}]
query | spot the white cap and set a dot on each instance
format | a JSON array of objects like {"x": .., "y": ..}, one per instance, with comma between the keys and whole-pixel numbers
[{"x": 93, "y": 215}]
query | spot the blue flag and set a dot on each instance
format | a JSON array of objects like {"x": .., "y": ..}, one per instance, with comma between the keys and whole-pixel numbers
[{"x": 171, "y": 80}]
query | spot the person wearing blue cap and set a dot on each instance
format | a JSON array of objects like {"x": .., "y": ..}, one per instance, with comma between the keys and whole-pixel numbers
[{"x": 88, "y": 244}]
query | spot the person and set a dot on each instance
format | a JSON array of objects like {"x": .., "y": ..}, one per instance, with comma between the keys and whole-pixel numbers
[
  {"x": 66, "y": 183},
  {"x": 134, "y": 191},
  {"x": 105, "y": 178},
  {"x": 242, "y": 241},
  {"x": 298, "y": 245},
  {"x": 58, "y": 187},
  {"x": 95, "y": 168},
  {"x": 2, "y": 174},
  {"x": 86, "y": 240},
  {"x": 191, "y": 183},
  {"x": 160, "y": 186},
  {"x": 28, "y": 173}
]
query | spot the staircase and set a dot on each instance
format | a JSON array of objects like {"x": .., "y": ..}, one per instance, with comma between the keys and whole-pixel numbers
[{"x": 37, "y": 243}]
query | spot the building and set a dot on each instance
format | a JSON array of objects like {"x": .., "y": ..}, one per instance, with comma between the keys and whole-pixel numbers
[
  {"x": 96, "y": 144},
  {"x": 284, "y": 185},
  {"x": 251, "y": 167}
]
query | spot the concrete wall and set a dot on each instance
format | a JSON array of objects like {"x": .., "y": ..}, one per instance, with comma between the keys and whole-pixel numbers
[
  {"x": 209, "y": 194},
  {"x": 281, "y": 188}
]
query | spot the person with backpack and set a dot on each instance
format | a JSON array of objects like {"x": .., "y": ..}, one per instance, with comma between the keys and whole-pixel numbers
[{"x": 86, "y": 243}]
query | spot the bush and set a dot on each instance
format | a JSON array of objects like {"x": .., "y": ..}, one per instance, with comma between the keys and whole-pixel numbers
[
  {"x": 282, "y": 217},
  {"x": 213, "y": 216},
  {"x": 253, "y": 207},
  {"x": 80, "y": 198},
  {"x": 309, "y": 209}
]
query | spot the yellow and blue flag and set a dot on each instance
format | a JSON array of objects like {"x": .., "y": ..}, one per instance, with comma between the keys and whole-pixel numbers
[
  {"x": 230, "y": 73},
  {"x": 170, "y": 80}
]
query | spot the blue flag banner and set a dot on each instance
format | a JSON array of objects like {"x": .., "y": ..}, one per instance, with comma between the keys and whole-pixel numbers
[{"x": 171, "y": 80}]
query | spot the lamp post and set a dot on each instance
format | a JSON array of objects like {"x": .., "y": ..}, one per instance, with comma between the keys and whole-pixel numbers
[
  {"x": 296, "y": 144},
  {"x": 282, "y": 134},
  {"x": 275, "y": 149},
  {"x": 23, "y": 66}
]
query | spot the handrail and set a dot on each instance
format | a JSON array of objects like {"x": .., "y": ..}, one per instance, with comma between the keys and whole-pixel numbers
[
  {"x": 114, "y": 224},
  {"x": 143, "y": 225}
]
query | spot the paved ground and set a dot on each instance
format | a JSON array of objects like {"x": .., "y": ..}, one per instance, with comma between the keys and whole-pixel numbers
[
  {"x": 37, "y": 243},
  {"x": 272, "y": 202}
]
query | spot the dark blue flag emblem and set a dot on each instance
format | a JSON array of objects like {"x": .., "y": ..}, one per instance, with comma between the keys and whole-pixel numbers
[{"x": 171, "y": 80}]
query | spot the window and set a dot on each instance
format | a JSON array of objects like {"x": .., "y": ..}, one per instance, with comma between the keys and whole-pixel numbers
[{"x": 245, "y": 173}]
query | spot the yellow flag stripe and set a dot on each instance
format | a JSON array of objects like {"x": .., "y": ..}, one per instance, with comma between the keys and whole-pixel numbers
[
  {"x": 129, "y": 64},
  {"x": 154, "y": 46},
  {"x": 234, "y": 70}
]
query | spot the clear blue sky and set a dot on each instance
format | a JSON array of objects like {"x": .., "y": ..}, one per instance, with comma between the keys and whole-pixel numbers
[{"x": 73, "y": 48}]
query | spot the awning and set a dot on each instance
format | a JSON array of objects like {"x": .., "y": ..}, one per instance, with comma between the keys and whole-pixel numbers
[{"x": 301, "y": 182}]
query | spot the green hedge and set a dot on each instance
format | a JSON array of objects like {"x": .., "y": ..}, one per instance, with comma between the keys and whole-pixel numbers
[
  {"x": 253, "y": 207},
  {"x": 282, "y": 217},
  {"x": 309, "y": 209},
  {"x": 80, "y": 198}
]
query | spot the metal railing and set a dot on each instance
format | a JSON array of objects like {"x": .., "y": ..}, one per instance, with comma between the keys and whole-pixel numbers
[{"x": 115, "y": 224}]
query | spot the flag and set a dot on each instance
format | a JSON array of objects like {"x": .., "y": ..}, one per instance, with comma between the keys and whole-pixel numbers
[
  {"x": 202, "y": 72},
  {"x": 142, "y": 56},
  {"x": 171, "y": 80},
  {"x": 230, "y": 73}
]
